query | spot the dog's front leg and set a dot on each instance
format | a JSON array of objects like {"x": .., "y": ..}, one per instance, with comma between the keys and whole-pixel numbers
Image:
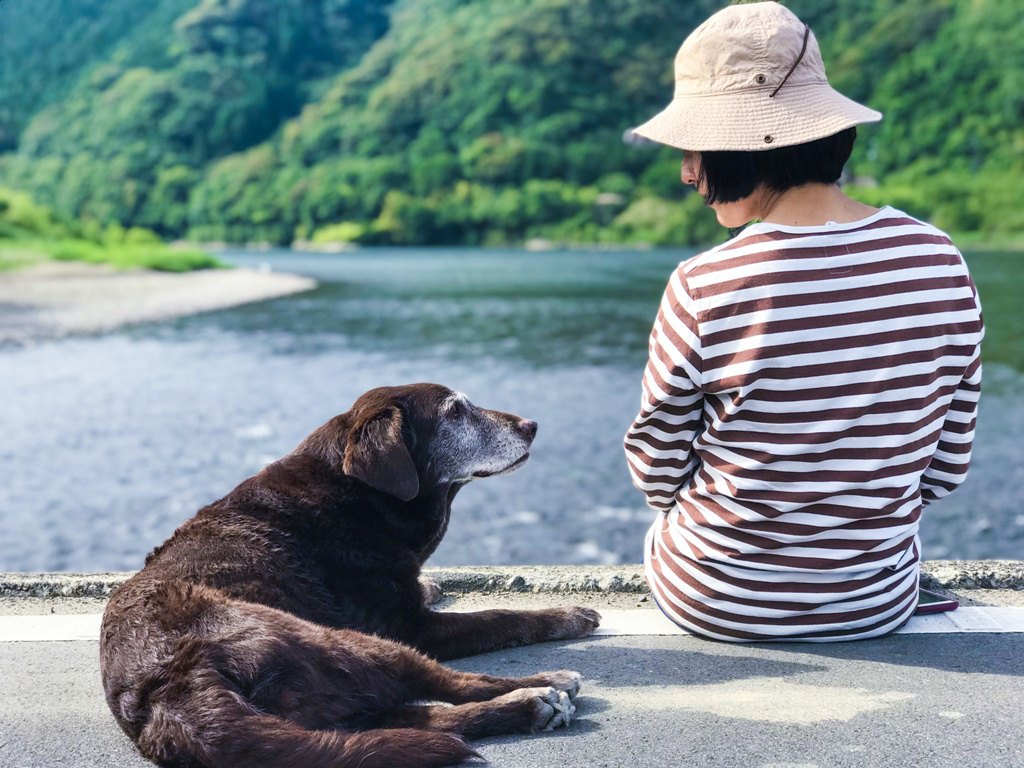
[{"x": 451, "y": 634}]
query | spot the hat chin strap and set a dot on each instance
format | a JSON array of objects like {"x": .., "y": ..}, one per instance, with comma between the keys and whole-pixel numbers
[{"x": 803, "y": 50}]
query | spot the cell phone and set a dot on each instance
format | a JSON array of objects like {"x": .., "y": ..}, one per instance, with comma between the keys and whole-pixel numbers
[{"x": 930, "y": 602}]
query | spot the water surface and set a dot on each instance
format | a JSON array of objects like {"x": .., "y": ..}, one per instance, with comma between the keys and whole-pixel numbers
[{"x": 110, "y": 441}]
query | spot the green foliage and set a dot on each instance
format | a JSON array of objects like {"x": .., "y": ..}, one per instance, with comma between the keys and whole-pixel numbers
[
  {"x": 30, "y": 233},
  {"x": 16, "y": 254},
  {"x": 156, "y": 256},
  {"x": 48, "y": 47},
  {"x": 130, "y": 140},
  {"x": 21, "y": 217},
  {"x": 342, "y": 232},
  {"x": 661, "y": 222},
  {"x": 949, "y": 77},
  {"x": 467, "y": 121},
  {"x": 997, "y": 274}
]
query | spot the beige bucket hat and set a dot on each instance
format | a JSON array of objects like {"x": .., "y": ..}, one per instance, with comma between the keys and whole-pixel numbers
[{"x": 751, "y": 78}]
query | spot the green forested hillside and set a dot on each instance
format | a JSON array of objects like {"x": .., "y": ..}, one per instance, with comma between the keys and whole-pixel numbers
[
  {"x": 470, "y": 121},
  {"x": 133, "y": 135},
  {"x": 465, "y": 121},
  {"x": 47, "y": 47}
]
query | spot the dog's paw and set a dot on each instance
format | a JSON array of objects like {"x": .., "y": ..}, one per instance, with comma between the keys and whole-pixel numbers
[
  {"x": 431, "y": 591},
  {"x": 548, "y": 708},
  {"x": 576, "y": 621},
  {"x": 564, "y": 680}
]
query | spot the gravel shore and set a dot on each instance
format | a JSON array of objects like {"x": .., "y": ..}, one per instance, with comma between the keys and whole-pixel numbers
[{"x": 63, "y": 298}]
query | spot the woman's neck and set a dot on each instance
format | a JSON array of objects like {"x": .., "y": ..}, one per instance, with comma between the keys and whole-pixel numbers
[{"x": 811, "y": 205}]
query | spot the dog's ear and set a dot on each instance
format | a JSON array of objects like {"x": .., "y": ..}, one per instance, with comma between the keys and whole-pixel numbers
[{"x": 377, "y": 455}]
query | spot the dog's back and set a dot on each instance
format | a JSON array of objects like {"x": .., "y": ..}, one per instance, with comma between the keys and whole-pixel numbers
[{"x": 196, "y": 647}]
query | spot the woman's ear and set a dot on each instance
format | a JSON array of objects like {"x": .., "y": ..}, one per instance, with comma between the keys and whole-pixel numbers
[{"x": 377, "y": 455}]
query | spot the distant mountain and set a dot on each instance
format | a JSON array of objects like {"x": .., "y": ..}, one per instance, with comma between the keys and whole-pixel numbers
[{"x": 465, "y": 121}]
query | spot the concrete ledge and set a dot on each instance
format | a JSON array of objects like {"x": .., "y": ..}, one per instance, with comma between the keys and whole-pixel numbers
[{"x": 553, "y": 579}]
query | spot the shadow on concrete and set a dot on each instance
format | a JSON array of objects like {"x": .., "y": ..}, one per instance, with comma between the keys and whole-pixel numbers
[
  {"x": 637, "y": 662},
  {"x": 618, "y": 666},
  {"x": 995, "y": 654}
]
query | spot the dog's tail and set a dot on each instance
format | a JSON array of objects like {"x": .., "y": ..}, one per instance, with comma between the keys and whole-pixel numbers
[{"x": 223, "y": 730}]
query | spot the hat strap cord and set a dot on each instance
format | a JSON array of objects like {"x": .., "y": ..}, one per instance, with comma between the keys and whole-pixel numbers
[{"x": 803, "y": 50}]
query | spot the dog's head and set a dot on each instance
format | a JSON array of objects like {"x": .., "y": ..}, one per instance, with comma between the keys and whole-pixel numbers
[{"x": 410, "y": 440}]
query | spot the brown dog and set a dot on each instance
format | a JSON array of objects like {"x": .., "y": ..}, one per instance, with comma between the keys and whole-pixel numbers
[{"x": 277, "y": 627}]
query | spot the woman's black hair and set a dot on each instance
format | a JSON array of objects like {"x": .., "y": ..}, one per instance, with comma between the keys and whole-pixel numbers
[{"x": 731, "y": 176}]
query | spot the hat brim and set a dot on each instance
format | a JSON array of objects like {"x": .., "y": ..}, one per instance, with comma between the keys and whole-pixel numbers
[{"x": 751, "y": 121}]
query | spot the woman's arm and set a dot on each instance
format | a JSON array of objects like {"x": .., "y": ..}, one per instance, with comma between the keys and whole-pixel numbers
[
  {"x": 659, "y": 444},
  {"x": 948, "y": 467},
  {"x": 949, "y": 464}
]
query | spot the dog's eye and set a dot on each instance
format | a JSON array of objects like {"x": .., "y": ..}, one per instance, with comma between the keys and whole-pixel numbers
[{"x": 457, "y": 409}]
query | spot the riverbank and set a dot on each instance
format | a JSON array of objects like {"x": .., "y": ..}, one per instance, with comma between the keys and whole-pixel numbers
[{"x": 55, "y": 298}]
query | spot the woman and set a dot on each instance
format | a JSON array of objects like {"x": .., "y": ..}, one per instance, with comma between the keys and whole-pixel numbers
[{"x": 813, "y": 382}]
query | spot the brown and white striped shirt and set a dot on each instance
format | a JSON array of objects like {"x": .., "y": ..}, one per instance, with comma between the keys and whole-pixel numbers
[{"x": 809, "y": 390}]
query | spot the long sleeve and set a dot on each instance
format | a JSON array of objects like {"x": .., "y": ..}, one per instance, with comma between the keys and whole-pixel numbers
[
  {"x": 948, "y": 467},
  {"x": 659, "y": 444}
]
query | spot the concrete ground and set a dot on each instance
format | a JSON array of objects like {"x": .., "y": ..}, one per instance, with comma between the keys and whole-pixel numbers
[{"x": 651, "y": 700}]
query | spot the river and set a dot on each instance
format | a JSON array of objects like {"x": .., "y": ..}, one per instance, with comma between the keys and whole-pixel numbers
[{"x": 110, "y": 441}]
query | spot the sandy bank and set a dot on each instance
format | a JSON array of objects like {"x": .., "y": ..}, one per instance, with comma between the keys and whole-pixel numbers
[{"x": 61, "y": 298}]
